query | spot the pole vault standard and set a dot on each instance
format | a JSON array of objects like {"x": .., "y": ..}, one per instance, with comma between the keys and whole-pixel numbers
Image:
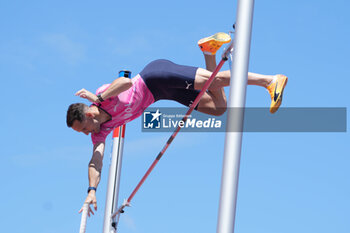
[
  {"x": 109, "y": 224},
  {"x": 236, "y": 104}
]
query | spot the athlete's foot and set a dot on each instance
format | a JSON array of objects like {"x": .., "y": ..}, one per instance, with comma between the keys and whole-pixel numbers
[
  {"x": 275, "y": 89},
  {"x": 210, "y": 45}
]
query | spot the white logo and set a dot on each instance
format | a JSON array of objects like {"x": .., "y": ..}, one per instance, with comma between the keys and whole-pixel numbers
[
  {"x": 188, "y": 85},
  {"x": 156, "y": 115},
  {"x": 151, "y": 120}
]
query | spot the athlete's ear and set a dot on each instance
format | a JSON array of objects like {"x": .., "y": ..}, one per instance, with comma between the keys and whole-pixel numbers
[{"x": 89, "y": 115}]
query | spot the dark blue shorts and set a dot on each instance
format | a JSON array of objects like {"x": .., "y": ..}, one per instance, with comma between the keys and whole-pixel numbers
[{"x": 167, "y": 80}]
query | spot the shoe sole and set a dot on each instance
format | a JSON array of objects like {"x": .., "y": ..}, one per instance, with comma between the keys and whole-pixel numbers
[
  {"x": 279, "y": 100},
  {"x": 212, "y": 43},
  {"x": 216, "y": 37}
]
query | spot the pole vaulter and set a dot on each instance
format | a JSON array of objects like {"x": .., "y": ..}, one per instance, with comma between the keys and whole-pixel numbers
[
  {"x": 85, "y": 119},
  {"x": 171, "y": 138}
]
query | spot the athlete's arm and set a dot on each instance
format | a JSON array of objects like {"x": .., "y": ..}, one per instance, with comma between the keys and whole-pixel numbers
[
  {"x": 95, "y": 165},
  {"x": 95, "y": 168},
  {"x": 117, "y": 86}
]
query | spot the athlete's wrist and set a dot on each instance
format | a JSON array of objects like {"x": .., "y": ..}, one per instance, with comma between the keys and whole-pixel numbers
[
  {"x": 99, "y": 98},
  {"x": 91, "y": 190}
]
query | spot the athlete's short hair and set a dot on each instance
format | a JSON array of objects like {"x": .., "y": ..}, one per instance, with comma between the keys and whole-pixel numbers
[{"x": 76, "y": 112}]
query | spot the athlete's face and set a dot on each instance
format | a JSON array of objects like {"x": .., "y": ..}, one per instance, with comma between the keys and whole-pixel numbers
[{"x": 87, "y": 126}]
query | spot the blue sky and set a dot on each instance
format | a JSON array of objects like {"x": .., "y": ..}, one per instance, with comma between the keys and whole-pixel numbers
[{"x": 288, "y": 182}]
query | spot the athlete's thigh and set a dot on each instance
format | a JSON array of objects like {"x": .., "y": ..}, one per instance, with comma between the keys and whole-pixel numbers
[
  {"x": 202, "y": 75},
  {"x": 163, "y": 76},
  {"x": 185, "y": 97},
  {"x": 207, "y": 104}
]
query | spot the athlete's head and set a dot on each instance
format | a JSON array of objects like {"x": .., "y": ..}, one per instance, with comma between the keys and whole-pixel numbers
[{"x": 82, "y": 119}]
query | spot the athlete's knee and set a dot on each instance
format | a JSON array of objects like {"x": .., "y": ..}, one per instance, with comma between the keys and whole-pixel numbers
[{"x": 219, "y": 111}]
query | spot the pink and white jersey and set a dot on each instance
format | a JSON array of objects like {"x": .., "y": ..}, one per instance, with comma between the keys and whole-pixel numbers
[{"x": 123, "y": 108}]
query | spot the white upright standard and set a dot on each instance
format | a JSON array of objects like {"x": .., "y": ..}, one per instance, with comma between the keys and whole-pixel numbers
[
  {"x": 236, "y": 104},
  {"x": 109, "y": 225}
]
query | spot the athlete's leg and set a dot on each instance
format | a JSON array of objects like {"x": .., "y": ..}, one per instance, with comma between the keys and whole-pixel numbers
[
  {"x": 213, "y": 102},
  {"x": 222, "y": 79},
  {"x": 210, "y": 62},
  {"x": 275, "y": 84},
  {"x": 210, "y": 46}
]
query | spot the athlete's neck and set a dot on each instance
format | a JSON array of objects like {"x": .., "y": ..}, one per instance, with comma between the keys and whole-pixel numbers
[{"x": 100, "y": 115}]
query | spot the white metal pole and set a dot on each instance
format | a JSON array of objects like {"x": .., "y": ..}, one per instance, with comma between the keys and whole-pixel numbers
[
  {"x": 114, "y": 179},
  {"x": 84, "y": 218},
  {"x": 236, "y": 104}
]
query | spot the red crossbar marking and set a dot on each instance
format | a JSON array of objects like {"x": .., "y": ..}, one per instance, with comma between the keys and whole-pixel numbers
[
  {"x": 123, "y": 131},
  {"x": 116, "y": 132}
]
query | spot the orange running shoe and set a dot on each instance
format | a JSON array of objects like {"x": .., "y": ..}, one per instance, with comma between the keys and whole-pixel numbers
[
  {"x": 211, "y": 44},
  {"x": 276, "y": 91}
]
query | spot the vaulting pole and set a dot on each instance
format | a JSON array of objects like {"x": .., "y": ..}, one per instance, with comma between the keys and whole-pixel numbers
[
  {"x": 109, "y": 225},
  {"x": 236, "y": 104},
  {"x": 84, "y": 218}
]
